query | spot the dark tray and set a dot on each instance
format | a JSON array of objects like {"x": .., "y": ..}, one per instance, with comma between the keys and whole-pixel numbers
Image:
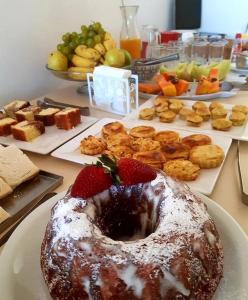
[{"x": 28, "y": 195}]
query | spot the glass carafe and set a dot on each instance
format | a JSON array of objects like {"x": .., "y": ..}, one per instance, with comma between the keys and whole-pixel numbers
[{"x": 130, "y": 38}]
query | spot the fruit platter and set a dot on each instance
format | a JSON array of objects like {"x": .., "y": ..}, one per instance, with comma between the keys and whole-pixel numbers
[
  {"x": 195, "y": 82},
  {"x": 79, "y": 53}
]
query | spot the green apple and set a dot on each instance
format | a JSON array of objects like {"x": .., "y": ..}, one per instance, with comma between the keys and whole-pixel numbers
[
  {"x": 115, "y": 58},
  {"x": 128, "y": 57},
  {"x": 57, "y": 61}
]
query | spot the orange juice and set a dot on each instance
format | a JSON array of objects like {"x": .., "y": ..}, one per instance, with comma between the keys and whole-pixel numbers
[{"x": 133, "y": 46}]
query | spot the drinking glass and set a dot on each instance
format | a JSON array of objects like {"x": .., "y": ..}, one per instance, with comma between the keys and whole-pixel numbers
[
  {"x": 216, "y": 50},
  {"x": 199, "y": 51}
]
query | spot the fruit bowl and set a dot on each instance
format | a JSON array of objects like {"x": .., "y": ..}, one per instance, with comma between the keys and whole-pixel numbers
[{"x": 67, "y": 75}]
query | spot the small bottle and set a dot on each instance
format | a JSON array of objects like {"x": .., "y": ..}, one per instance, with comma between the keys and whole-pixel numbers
[{"x": 237, "y": 47}]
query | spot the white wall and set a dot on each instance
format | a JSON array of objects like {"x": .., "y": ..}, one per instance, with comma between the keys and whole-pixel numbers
[
  {"x": 30, "y": 29},
  {"x": 224, "y": 16}
]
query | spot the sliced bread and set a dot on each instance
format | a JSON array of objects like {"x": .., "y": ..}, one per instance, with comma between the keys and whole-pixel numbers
[
  {"x": 5, "y": 189},
  {"x": 15, "y": 166}
]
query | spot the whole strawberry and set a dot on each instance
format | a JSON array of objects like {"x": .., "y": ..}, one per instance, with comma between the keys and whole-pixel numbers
[
  {"x": 90, "y": 181},
  {"x": 131, "y": 171}
]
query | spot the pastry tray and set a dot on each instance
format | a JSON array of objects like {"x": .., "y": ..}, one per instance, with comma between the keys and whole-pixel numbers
[
  {"x": 51, "y": 139},
  {"x": 204, "y": 183},
  {"x": 27, "y": 195},
  {"x": 236, "y": 132}
]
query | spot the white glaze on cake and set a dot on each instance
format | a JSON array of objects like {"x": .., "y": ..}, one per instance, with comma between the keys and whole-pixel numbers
[{"x": 182, "y": 228}]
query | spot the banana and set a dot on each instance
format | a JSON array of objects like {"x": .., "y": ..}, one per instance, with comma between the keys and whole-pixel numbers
[
  {"x": 78, "y": 76},
  {"x": 107, "y": 36},
  {"x": 82, "y": 62},
  {"x": 81, "y": 69},
  {"x": 100, "y": 49},
  {"x": 88, "y": 53},
  {"x": 109, "y": 44}
]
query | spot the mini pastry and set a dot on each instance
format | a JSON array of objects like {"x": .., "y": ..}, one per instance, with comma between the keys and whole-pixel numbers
[
  {"x": 167, "y": 116},
  {"x": 119, "y": 139},
  {"x": 198, "y": 104},
  {"x": 27, "y": 130},
  {"x": 204, "y": 113},
  {"x": 167, "y": 136},
  {"x": 112, "y": 128},
  {"x": 142, "y": 144},
  {"x": 181, "y": 169},
  {"x": 160, "y": 100},
  {"x": 14, "y": 106},
  {"x": 184, "y": 112},
  {"x": 240, "y": 108},
  {"x": 47, "y": 116},
  {"x": 120, "y": 151},
  {"x": 27, "y": 113},
  {"x": 194, "y": 120},
  {"x": 5, "y": 126},
  {"x": 221, "y": 124},
  {"x": 175, "y": 107},
  {"x": 218, "y": 113},
  {"x": 207, "y": 156},
  {"x": 215, "y": 104},
  {"x": 68, "y": 118},
  {"x": 161, "y": 108},
  {"x": 237, "y": 118},
  {"x": 196, "y": 140},
  {"x": 147, "y": 114},
  {"x": 154, "y": 159},
  {"x": 173, "y": 150},
  {"x": 176, "y": 101},
  {"x": 142, "y": 132},
  {"x": 92, "y": 145}
]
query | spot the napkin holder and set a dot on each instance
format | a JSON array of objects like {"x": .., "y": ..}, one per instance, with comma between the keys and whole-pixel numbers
[{"x": 113, "y": 90}]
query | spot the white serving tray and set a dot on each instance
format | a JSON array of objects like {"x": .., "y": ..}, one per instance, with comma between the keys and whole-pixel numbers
[
  {"x": 51, "y": 139},
  {"x": 204, "y": 183},
  {"x": 236, "y": 132}
]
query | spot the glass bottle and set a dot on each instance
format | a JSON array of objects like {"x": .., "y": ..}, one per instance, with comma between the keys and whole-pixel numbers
[{"x": 129, "y": 37}]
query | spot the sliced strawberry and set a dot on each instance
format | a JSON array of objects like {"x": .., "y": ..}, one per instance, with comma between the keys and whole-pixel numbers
[
  {"x": 90, "y": 181},
  {"x": 131, "y": 171}
]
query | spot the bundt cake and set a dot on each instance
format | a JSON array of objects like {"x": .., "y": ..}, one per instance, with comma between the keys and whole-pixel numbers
[{"x": 147, "y": 238}]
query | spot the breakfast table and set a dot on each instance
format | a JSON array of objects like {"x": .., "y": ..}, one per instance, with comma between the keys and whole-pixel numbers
[{"x": 227, "y": 191}]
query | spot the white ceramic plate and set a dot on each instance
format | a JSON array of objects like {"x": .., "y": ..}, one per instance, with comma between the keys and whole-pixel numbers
[
  {"x": 51, "y": 139},
  {"x": 204, "y": 183},
  {"x": 236, "y": 132},
  {"x": 21, "y": 278}
]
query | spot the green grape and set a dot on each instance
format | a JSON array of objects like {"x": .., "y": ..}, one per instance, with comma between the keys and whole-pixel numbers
[
  {"x": 60, "y": 47},
  {"x": 96, "y": 26},
  {"x": 97, "y": 39},
  {"x": 74, "y": 35},
  {"x": 90, "y": 28},
  {"x": 65, "y": 50},
  {"x": 90, "y": 43},
  {"x": 91, "y": 34},
  {"x": 82, "y": 41},
  {"x": 101, "y": 31},
  {"x": 84, "y": 28},
  {"x": 73, "y": 44},
  {"x": 66, "y": 37}
]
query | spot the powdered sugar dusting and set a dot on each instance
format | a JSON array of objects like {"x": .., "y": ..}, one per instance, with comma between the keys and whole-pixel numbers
[{"x": 179, "y": 219}]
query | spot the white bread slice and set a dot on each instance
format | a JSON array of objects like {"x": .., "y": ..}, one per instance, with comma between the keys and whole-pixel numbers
[
  {"x": 15, "y": 166},
  {"x": 5, "y": 189},
  {"x": 3, "y": 215}
]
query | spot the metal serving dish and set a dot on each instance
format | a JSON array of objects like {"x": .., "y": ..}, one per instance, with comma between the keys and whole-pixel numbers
[{"x": 242, "y": 60}]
